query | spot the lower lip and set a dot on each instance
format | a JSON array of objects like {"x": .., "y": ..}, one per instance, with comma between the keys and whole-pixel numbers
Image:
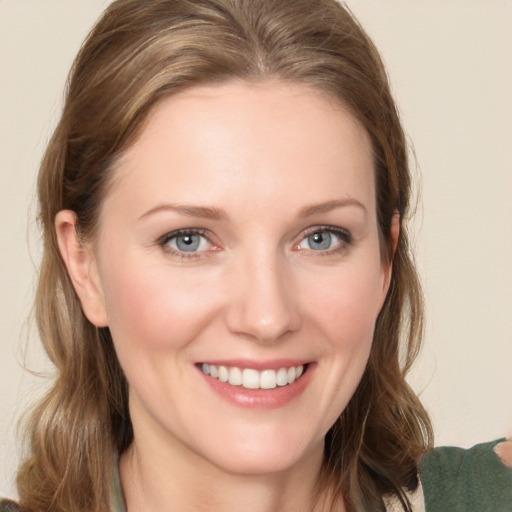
[{"x": 261, "y": 398}]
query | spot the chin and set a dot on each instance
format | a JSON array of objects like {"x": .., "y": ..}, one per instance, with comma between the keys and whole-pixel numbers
[{"x": 265, "y": 457}]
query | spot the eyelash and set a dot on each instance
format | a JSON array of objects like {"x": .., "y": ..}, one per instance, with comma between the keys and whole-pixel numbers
[{"x": 344, "y": 235}]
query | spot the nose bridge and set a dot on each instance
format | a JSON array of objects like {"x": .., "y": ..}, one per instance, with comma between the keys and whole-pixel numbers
[{"x": 262, "y": 306}]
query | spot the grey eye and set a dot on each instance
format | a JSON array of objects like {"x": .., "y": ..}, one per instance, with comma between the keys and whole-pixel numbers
[
  {"x": 320, "y": 241},
  {"x": 188, "y": 243},
  {"x": 325, "y": 239}
]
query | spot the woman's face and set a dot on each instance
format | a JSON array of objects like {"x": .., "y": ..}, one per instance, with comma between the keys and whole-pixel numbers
[{"x": 239, "y": 241}]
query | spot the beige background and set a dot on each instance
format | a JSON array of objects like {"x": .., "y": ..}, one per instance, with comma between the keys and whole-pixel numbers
[{"x": 450, "y": 65}]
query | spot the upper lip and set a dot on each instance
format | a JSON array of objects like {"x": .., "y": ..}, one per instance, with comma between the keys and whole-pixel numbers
[{"x": 259, "y": 365}]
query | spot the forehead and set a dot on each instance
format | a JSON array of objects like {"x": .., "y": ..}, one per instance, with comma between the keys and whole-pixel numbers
[{"x": 253, "y": 141}]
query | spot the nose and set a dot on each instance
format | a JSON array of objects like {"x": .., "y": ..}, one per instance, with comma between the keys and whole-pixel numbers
[{"x": 262, "y": 305}]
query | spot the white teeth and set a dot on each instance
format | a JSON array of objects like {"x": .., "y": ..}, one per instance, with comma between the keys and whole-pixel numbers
[
  {"x": 282, "y": 377},
  {"x": 235, "y": 376},
  {"x": 268, "y": 379},
  {"x": 223, "y": 373},
  {"x": 253, "y": 379}
]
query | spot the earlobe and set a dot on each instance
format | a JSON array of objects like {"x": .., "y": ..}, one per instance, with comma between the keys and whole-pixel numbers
[{"x": 82, "y": 268}]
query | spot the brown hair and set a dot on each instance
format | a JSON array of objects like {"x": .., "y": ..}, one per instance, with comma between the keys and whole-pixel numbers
[{"x": 139, "y": 52}]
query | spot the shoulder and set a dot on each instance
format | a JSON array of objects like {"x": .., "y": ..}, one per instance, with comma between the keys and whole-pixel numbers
[
  {"x": 467, "y": 480},
  {"x": 8, "y": 506}
]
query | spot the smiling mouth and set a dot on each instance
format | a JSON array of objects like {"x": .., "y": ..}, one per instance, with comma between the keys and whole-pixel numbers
[{"x": 250, "y": 378}]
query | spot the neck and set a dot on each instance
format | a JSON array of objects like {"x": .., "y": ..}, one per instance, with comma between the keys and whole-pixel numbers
[{"x": 160, "y": 480}]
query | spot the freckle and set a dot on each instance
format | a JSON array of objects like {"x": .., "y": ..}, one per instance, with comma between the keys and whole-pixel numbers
[{"x": 504, "y": 452}]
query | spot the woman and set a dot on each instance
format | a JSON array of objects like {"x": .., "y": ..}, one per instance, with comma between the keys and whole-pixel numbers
[{"x": 226, "y": 272}]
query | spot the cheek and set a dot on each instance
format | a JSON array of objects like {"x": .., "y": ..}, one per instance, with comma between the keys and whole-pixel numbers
[
  {"x": 345, "y": 304},
  {"x": 156, "y": 307}
]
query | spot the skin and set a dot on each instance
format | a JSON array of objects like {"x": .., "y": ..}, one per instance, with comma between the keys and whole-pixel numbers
[{"x": 261, "y": 155}]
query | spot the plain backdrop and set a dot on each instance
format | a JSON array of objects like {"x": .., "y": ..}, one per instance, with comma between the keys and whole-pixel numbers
[{"x": 451, "y": 71}]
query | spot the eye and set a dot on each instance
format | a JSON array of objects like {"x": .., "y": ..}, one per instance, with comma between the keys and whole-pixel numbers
[
  {"x": 325, "y": 239},
  {"x": 186, "y": 241}
]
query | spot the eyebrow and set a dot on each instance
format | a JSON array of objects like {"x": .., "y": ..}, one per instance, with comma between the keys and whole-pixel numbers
[
  {"x": 314, "y": 209},
  {"x": 207, "y": 212},
  {"x": 204, "y": 212}
]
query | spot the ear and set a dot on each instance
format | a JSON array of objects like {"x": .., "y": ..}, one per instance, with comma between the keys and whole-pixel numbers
[
  {"x": 394, "y": 233},
  {"x": 82, "y": 268},
  {"x": 387, "y": 264}
]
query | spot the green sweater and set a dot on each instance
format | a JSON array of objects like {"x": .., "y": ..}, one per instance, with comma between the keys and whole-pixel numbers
[
  {"x": 453, "y": 480},
  {"x": 459, "y": 480}
]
